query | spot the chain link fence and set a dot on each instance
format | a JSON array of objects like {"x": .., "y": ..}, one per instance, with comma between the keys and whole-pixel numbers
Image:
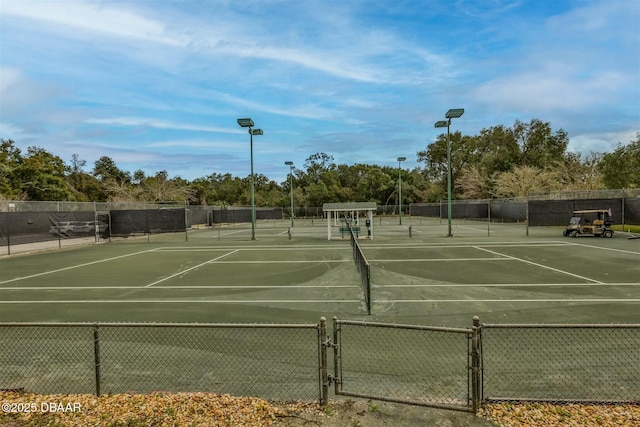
[
  {"x": 278, "y": 362},
  {"x": 454, "y": 368},
  {"x": 430, "y": 366},
  {"x": 561, "y": 363}
]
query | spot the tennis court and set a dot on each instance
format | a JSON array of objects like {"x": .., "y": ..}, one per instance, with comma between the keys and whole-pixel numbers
[{"x": 418, "y": 275}]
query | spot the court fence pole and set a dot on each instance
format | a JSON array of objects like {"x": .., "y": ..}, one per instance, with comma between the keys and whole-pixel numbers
[
  {"x": 475, "y": 365},
  {"x": 488, "y": 217},
  {"x": 337, "y": 358},
  {"x": 186, "y": 222},
  {"x": 526, "y": 214},
  {"x": 96, "y": 352}
]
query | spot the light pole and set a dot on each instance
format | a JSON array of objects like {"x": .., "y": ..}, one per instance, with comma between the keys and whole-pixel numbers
[
  {"x": 453, "y": 113},
  {"x": 400, "y": 159},
  {"x": 248, "y": 123},
  {"x": 290, "y": 164}
]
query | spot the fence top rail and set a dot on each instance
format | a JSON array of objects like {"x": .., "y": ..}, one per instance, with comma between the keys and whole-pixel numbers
[
  {"x": 563, "y": 325},
  {"x": 164, "y": 325},
  {"x": 404, "y": 326}
]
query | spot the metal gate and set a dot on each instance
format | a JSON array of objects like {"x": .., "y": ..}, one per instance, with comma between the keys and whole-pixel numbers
[{"x": 420, "y": 365}]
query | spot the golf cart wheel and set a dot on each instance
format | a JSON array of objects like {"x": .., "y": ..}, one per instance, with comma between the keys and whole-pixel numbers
[
  {"x": 574, "y": 233},
  {"x": 608, "y": 234}
]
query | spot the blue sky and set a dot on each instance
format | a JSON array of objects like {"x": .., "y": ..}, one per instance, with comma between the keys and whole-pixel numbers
[{"x": 158, "y": 84}]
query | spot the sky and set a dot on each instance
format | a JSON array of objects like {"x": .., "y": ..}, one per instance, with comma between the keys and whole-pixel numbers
[{"x": 158, "y": 85}]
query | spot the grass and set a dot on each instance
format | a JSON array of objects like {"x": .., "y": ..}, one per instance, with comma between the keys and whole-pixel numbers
[{"x": 627, "y": 228}]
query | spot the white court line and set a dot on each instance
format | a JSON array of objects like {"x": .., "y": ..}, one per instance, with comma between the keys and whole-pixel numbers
[
  {"x": 81, "y": 288},
  {"x": 506, "y": 285},
  {"x": 437, "y": 259},
  {"x": 192, "y": 268},
  {"x": 210, "y": 287},
  {"x": 346, "y": 246},
  {"x": 74, "y": 266},
  {"x": 515, "y": 300},
  {"x": 605, "y": 249},
  {"x": 213, "y": 287},
  {"x": 307, "y": 301},
  {"x": 164, "y": 301},
  {"x": 468, "y": 245},
  {"x": 293, "y": 261},
  {"x": 539, "y": 265},
  {"x": 473, "y": 228}
]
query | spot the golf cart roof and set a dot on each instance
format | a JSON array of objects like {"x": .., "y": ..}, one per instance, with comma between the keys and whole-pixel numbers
[{"x": 591, "y": 211}]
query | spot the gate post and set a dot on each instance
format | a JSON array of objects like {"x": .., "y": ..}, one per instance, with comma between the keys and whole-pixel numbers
[
  {"x": 337, "y": 362},
  {"x": 324, "y": 375},
  {"x": 475, "y": 364}
]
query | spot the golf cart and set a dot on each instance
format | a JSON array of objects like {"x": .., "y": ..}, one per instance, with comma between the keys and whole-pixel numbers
[{"x": 595, "y": 222}]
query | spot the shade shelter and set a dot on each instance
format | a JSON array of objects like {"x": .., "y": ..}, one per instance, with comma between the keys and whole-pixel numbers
[{"x": 350, "y": 211}]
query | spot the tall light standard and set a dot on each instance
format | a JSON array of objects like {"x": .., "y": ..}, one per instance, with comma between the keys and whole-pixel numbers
[
  {"x": 248, "y": 123},
  {"x": 290, "y": 164},
  {"x": 453, "y": 113},
  {"x": 400, "y": 159}
]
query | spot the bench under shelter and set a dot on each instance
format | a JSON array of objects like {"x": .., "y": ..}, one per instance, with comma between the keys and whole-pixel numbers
[{"x": 338, "y": 214}]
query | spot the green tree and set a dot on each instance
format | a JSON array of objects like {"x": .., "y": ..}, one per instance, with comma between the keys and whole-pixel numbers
[
  {"x": 539, "y": 146},
  {"x": 105, "y": 169},
  {"x": 10, "y": 160},
  {"x": 317, "y": 194},
  {"x": 375, "y": 185},
  {"x": 621, "y": 168},
  {"x": 83, "y": 186},
  {"x": 435, "y": 158},
  {"x": 495, "y": 150},
  {"x": 43, "y": 176}
]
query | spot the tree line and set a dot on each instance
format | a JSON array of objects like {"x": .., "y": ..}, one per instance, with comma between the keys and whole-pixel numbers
[{"x": 499, "y": 162}]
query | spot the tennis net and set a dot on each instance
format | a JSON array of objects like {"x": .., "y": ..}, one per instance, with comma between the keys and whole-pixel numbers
[{"x": 364, "y": 268}]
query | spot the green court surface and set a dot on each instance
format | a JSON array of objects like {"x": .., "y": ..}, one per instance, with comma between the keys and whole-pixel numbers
[{"x": 418, "y": 275}]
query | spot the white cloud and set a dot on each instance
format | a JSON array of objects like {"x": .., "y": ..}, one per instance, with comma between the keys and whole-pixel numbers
[
  {"x": 158, "y": 124},
  {"x": 94, "y": 17}
]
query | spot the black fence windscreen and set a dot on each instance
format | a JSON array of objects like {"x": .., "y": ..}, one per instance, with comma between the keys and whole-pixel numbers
[
  {"x": 508, "y": 211},
  {"x": 632, "y": 211},
  {"x": 558, "y": 212},
  {"x": 243, "y": 214},
  {"x": 18, "y": 228},
  {"x": 147, "y": 221}
]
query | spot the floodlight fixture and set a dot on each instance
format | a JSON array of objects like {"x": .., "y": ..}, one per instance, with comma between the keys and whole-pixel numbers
[
  {"x": 245, "y": 123},
  {"x": 248, "y": 123},
  {"x": 454, "y": 113}
]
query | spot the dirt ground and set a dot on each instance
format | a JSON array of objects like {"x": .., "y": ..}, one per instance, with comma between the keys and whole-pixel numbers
[{"x": 368, "y": 413}]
